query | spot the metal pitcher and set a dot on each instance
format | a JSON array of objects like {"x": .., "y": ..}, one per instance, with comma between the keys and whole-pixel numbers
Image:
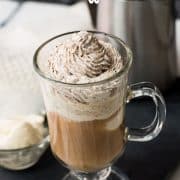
[{"x": 148, "y": 26}]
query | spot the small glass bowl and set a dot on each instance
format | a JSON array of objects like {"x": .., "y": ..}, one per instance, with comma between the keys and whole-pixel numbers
[{"x": 19, "y": 159}]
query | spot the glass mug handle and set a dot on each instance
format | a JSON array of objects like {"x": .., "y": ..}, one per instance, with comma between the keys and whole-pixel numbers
[{"x": 149, "y": 132}]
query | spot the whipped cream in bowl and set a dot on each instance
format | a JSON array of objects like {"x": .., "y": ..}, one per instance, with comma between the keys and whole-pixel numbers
[{"x": 23, "y": 139}]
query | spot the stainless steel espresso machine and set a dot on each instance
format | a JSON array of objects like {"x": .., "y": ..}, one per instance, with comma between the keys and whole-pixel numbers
[{"x": 148, "y": 27}]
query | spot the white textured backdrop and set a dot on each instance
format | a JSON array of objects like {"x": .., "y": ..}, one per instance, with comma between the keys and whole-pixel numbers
[{"x": 33, "y": 24}]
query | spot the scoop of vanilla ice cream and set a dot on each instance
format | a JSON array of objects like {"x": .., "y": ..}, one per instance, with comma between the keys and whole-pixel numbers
[
  {"x": 21, "y": 136},
  {"x": 22, "y": 131}
]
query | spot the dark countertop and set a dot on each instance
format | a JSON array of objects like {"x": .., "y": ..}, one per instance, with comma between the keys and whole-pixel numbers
[{"x": 154, "y": 160}]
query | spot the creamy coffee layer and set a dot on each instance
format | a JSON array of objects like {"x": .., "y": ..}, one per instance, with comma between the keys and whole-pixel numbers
[
  {"x": 87, "y": 146},
  {"x": 98, "y": 106}
]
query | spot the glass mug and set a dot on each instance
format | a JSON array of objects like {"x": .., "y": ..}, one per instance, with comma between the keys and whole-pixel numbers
[{"x": 86, "y": 121}]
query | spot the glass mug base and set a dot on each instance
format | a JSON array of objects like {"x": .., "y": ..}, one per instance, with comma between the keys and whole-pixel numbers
[{"x": 110, "y": 173}]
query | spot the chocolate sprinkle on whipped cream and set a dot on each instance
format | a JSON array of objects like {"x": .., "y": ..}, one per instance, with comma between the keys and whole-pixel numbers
[{"x": 84, "y": 59}]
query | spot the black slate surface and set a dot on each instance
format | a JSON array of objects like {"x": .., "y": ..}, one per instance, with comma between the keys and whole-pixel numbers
[{"x": 154, "y": 160}]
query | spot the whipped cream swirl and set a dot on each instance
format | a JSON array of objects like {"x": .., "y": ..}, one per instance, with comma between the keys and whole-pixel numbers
[{"x": 84, "y": 59}]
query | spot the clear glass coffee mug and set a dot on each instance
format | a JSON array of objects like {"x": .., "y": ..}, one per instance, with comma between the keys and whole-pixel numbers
[{"x": 86, "y": 121}]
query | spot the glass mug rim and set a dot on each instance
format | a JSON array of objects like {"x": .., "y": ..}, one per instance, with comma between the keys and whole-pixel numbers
[{"x": 124, "y": 69}]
